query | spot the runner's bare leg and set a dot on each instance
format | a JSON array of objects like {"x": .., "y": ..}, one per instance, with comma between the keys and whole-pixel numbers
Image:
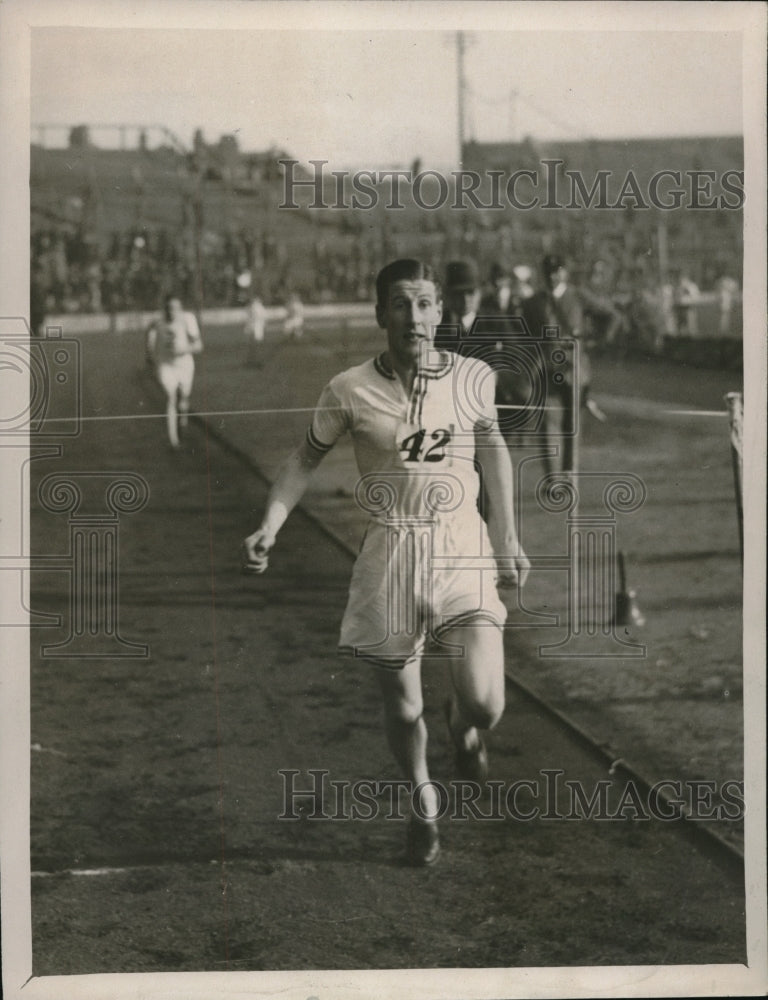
[
  {"x": 183, "y": 410},
  {"x": 172, "y": 419},
  {"x": 405, "y": 726},
  {"x": 478, "y": 680}
]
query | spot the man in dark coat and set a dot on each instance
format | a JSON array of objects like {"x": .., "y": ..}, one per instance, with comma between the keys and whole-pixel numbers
[
  {"x": 555, "y": 314},
  {"x": 491, "y": 327},
  {"x": 461, "y": 300}
]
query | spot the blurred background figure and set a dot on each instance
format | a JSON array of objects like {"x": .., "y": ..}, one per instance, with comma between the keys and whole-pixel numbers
[
  {"x": 686, "y": 297},
  {"x": 522, "y": 290},
  {"x": 727, "y": 293},
  {"x": 37, "y": 302},
  {"x": 566, "y": 369},
  {"x": 667, "y": 307},
  {"x": 243, "y": 281},
  {"x": 507, "y": 294},
  {"x": 171, "y": 343},
  {"x": 645, "y": 318},
  {"x": 498, "y": 300},
  {"x": 293, "y": 325},
  {"x": 604, "y": 323},
  {"x": 255, "y": 324},
  {"x": 462, "y": 293}
]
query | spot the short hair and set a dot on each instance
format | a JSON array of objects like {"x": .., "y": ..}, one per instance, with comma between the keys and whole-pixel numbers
[
  {"x": 404, "y": 269},
  {"x": 551, "y": 263},
  {"x": 170, "y": 297}
]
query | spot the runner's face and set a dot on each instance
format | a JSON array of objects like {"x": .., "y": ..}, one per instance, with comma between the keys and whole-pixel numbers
[
  {"x": 409, "y": 316},
  {"x": 173, "y": 308}
]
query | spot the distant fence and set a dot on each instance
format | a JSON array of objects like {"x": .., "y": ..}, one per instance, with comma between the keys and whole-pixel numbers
[
  {"x": 120, "y": 135},
  {"x": 73, "y": 323},
  {"x": 710, "y": 321},
  {"x": 709, "y": 349},
  {"x": 707, "y": 310}
]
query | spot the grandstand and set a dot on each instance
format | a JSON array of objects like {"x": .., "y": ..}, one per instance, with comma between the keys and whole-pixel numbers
[
  {"x": 643, "y": 156},
  {"x": 114, "y": 226}
]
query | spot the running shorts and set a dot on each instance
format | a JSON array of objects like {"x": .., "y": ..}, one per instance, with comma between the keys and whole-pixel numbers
[
  {"x": 414, "y": 581},
  {"x": 177, "y": 374}
]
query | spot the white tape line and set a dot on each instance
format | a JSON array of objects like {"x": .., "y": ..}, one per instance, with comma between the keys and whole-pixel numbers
[
  {"x": 211, "y": 413},
  {"x": 81, "y": 871},
  {"x": 228, "y": 413},
  {"x": 697, "y": 413},
  {"x": 96, "y": 872},
  {"x": 313, "y": 409}
]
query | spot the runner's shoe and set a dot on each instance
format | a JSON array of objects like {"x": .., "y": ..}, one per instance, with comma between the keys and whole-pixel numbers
[
  {"x": 472, "y": 763},
  {"x": 423, "y": 842},
  {"x": 595, "y": 410}
]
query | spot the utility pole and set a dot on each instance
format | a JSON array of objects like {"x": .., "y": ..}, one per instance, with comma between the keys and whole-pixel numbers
[
  {"x": 513, "y": 94},
  {"x": 461, "y": 45}
]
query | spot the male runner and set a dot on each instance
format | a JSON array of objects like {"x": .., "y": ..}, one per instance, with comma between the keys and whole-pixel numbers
[
  {"x": 171, "y": 343},
  {"x": 293, "y": 324},
  {"x": 255, "y": 325},
  {"x": 418, "y": 416}
]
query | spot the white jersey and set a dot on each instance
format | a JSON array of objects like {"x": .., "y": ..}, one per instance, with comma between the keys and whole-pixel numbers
[
  {"x": 255, "y": 320},
  {"x": 171, "y": 339},
  {"x": 415, "y": 454}
]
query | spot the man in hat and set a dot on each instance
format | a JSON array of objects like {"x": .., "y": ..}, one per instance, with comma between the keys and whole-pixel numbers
[
  {"x": 507, "y": 293},
  {"x": 465, "y": 303},
  {"x": 489, "y": 327},
  {"x": 468, "y": 313},
  {"x": 462, "y": 294},
  {"x": 566, "y": 372}
]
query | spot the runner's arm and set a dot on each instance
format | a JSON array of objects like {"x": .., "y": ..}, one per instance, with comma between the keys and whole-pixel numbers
[
  {"x": 286, "y": 492},
  {"x": 496, "y": 466},
  {"x": 194, "y": 339},
  {"x": 150, "y": 342}
]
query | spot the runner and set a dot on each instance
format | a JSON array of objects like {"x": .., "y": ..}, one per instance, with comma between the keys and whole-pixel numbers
[
  {"x": 171, "y": 343},
  {"x": 418, "y": 417}
]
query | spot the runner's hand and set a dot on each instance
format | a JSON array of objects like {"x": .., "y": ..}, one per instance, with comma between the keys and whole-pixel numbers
[
  {"x": 513, "y": 568},
  {"x": 254, "y": 551}
]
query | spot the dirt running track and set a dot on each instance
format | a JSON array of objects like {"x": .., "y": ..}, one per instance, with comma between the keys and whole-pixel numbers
[{"x": 162, "y": 773}]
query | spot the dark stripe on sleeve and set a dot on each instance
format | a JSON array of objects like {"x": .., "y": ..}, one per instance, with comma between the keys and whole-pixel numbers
[{"x": 315, "y": 442}]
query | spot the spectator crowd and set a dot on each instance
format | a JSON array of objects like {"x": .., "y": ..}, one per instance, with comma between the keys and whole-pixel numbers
[{"x": 626, "y": 305}]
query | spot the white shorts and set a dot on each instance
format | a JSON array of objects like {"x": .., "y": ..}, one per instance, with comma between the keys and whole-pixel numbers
[
  {"x": 254, "y": 331},
  {"x": 293, "y": 325},
  {"x": 177, "y": 374},
  {"x": 414, "y": 582}
]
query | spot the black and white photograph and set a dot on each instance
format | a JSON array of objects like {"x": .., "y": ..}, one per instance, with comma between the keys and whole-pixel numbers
[{"x": 382, "y": 524}]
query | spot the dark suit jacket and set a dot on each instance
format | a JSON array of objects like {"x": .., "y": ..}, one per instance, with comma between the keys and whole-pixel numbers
[
  {"x": 490, "y": 324},
  {"x": 501, "y": 340},
  {"x": 545, "y": 312}
]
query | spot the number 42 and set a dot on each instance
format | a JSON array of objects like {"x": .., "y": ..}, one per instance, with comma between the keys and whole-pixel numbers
[{"x": 414, "y": 446}]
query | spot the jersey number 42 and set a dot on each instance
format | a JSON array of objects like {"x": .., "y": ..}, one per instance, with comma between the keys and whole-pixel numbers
[{"x": 421, "y": 446}]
